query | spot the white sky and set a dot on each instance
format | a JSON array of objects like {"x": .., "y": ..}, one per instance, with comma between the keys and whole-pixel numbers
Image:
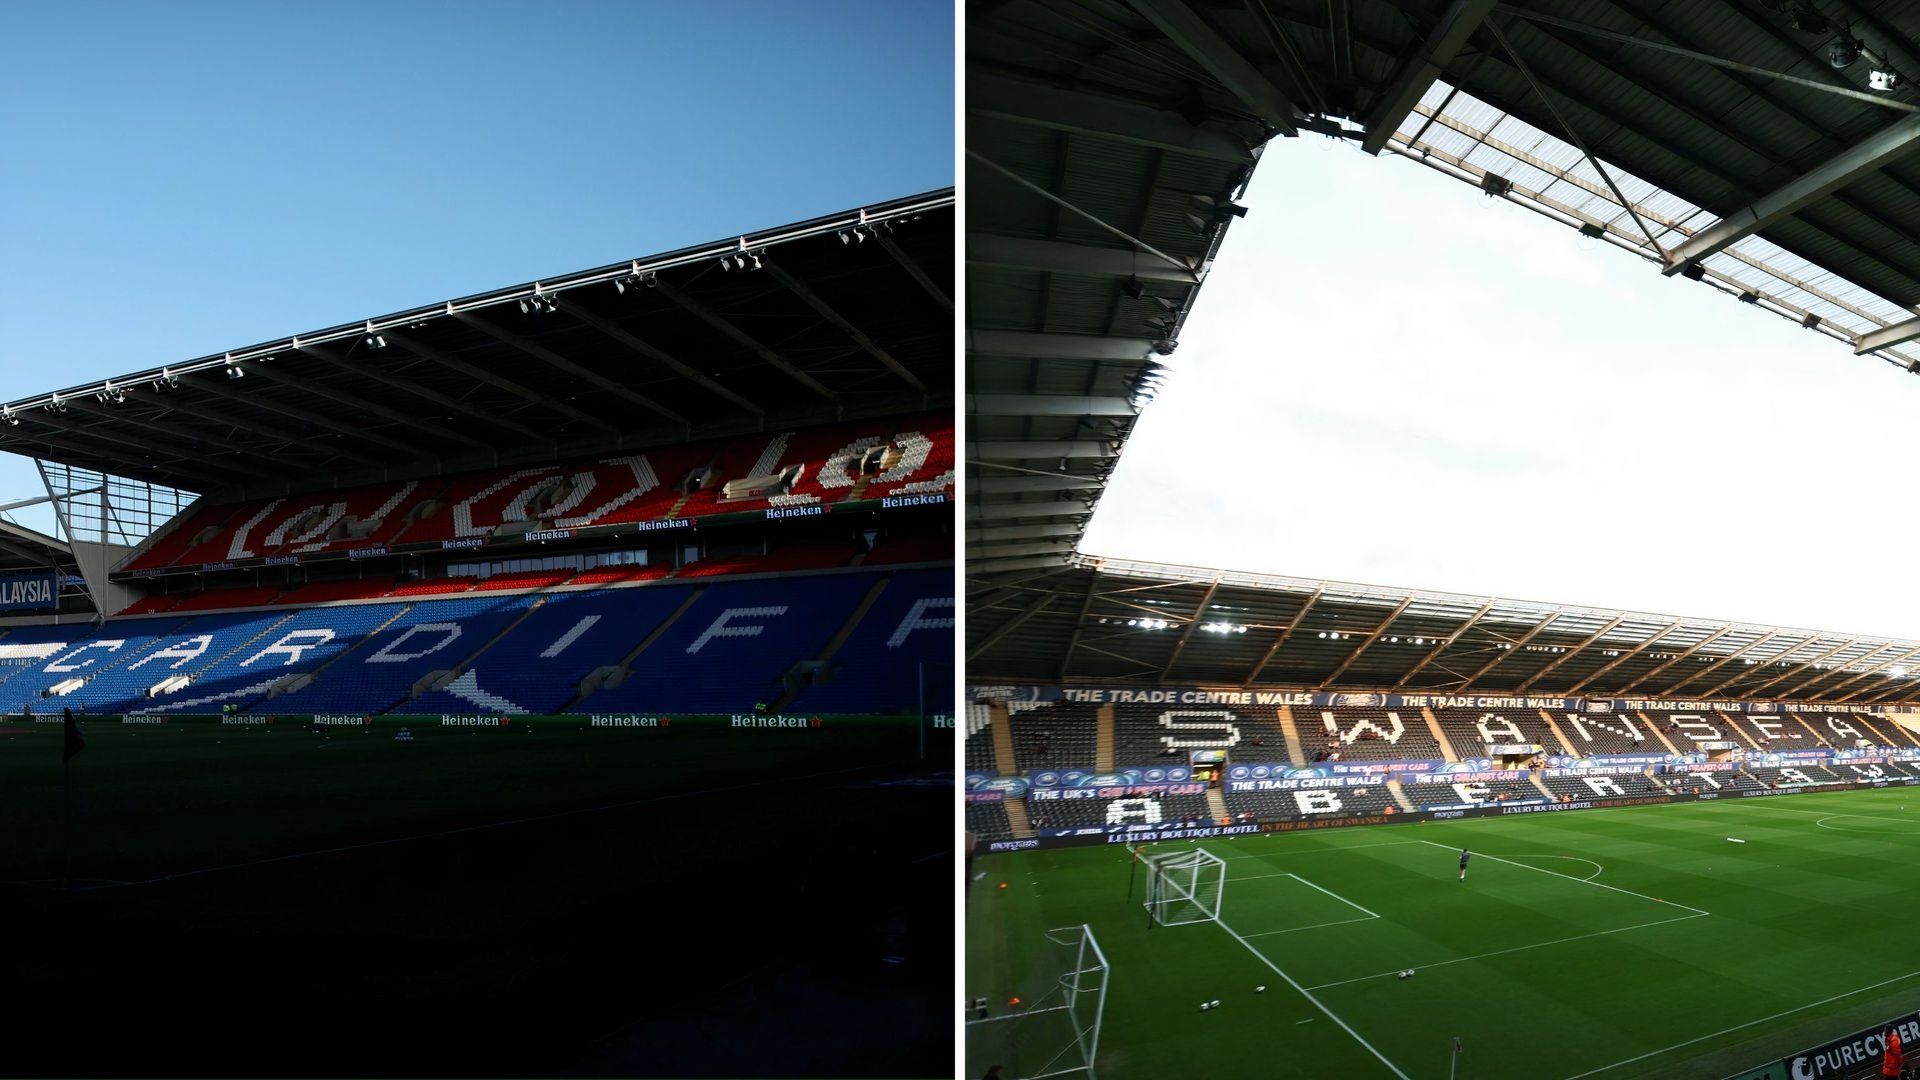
[{"x": 1391, "y": 379}]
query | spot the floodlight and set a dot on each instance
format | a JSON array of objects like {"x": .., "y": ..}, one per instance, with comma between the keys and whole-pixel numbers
[{"x": 1844, "y": 51}]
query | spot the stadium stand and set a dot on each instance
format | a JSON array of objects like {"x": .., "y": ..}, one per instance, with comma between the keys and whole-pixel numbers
[
  {"x": 1303, "y": 803},
  {"x": 1472, "y": 730},
  {"x": 1366, "y": 734},
  {"x": 1603, "y": 787},
  {"x": 1079, "y": 813},
  {"x": 1693, "y": 729},
  {"x": 1787, "y": 776},
  {"x": 1058, "y": 735},
  {"x": 979, "y": 746},
  {"x": 1143, "y": 734},
  {"x": 1519, "y": 789},
  {"x": 989, "y": 821},
  {"x": 1606, "y": 733},
  {"x": 1842, "y": 729}
]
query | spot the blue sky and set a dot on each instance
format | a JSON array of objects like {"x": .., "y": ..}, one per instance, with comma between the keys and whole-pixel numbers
[
  {"x": 1395, "y": 380},
  {"x": 183, "y": 179}
]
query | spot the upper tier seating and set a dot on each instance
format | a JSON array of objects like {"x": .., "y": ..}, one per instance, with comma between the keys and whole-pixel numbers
[
  {"x": 978, "y": 738},
  {"x": 1058, "y": 735},
  {"x": 1472, "y": 730},
  {"x": 1777, "y": 731},
  {"x": 1606, "y": 733},
  {"x": 523, "y": 579},
  {"x": 1144, "y": 734},
  {"x": 605, "y": 490},
  {"x": 1688, "y": 729},
  {"x": 1370, "y": 734},
  {"x": 1844, "y": 729}
]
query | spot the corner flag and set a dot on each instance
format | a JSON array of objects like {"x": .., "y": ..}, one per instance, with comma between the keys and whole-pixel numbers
[{"x": 75, "y": 743}]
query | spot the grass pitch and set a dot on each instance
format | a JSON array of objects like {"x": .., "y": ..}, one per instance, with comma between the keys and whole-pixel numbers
[
  {"x": 536, "y": 900},
  {"x": 1610, "y": 944}
]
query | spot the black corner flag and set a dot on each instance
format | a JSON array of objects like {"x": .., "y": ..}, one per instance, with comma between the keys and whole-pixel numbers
[{"x": 75, "y": 743}]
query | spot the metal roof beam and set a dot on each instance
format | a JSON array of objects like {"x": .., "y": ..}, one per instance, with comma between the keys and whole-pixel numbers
[
  {"x": 1883, "y": 147},
  {"x": 1868, "y": 674},
  {"x": 1216, "y": 54},
  {"x": 1061, "y": 257},
  {"x": 1887, "y": 336},
  {"x": 1020, "y": 532},
  {"x": 1193, "y": 36},
  {"x": 719, "y": 322},
  {"x": 406, "y": 385},
  {"x": 1755, "y": 691},
  {"x": 553, "y": 359},
  {"x": 1007, "y": 551},
  {"x": 1011, "y": 625},
  {"x": 1073, "y": 642},
  {"x": 1447, "y": 644},
  {"x": 1186, "y": 635},
  {"x": 92, "y": 436},
  {"x": 374, "y": 408},
  {"x": 620, "y": 334},
  {"x": 475, "y": 371},
  {"x": 1025, "y": 346},
  {"x": 1818, "y": 677},
  {"x": 912, "y": 267},
  {"x": 214, "y": 416},
  {"x": 1417, "y": 75},
  {"x": 1299, "y": 617},
  {"x": 1501, "y": 655},
  {"x": 1697, "y": 646},
  {"x": 1020, "y": 485},
  {"x": 1372, "y": 636},
  {"x": 1582, "y": 647},
  {"x": 1724, "y": 661},
  {"x": 1055, "y": 508},
  {"x": 1103, "y": 115},
  {"x": 824, "y": 310},
  {"x": 306, "y": 416},
  {"x": 1015, "y": 450},
  {"x": 1048, "y": 405},
  {"x": 131, "y": 417}
]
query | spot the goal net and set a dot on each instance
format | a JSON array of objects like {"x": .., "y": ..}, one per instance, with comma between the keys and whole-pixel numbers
[
  {"x": 1183, "y": 886},
  {"x": 1050, "y": 1024}
]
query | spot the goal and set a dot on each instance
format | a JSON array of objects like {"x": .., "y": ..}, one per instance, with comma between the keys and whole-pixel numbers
[
  {"x": 1050, "y": 1025},
  {"x": 1183, "y": 886}
]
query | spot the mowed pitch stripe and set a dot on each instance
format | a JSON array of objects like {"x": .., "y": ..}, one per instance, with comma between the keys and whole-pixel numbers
[{"x": 1317, "y": 1003}]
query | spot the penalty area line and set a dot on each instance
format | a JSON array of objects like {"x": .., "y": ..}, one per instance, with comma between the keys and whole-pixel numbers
[
  {"x": 1514, "y": 949},
  {"x": 1317, "y": 1003}
]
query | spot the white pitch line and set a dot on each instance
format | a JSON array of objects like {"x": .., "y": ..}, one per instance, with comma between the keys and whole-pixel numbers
[
  {"x": 1748, "y": 1024},
  {"x": 1333, "y": 894},
  {"x": 1317, "y": 1003},
  {"x": 1315, "y": 851},
  {"x": 1315, "y": 926},
  {"x": 1570, "y": 877},
  {"x": 1514, "y": 949},
  {"x": 1597, "y": 868},
  {"x": 1829, "y": 813}
]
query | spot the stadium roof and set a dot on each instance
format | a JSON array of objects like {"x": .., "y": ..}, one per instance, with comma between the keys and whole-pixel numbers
[
  {"x": 1110, "y": 621},
  {"x": 837, "y": 317},
  {"x": 1107, "y": 139}
]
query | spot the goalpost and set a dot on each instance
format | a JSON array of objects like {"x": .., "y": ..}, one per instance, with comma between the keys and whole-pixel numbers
[
  {"x": 1052, "y": 1026},
  {"x": 1184, "y": 886}
]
